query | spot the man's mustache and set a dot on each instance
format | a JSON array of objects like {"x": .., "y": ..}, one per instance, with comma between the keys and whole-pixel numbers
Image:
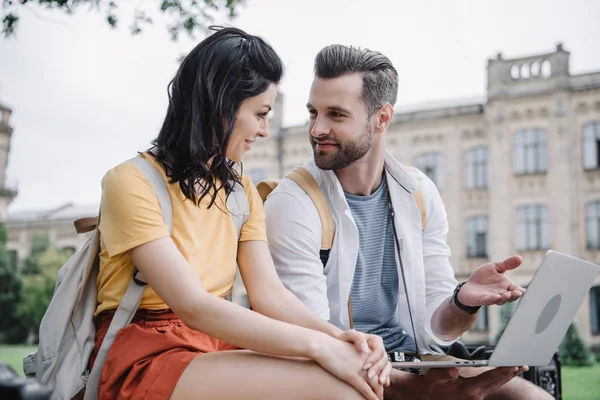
[{"x": 324, "y": 140}]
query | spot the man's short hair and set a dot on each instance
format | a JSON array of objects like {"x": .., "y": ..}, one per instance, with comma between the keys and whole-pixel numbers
[{"x": 380, "y": 78}]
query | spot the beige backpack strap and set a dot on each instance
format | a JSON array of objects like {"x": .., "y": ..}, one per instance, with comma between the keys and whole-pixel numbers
[
  {"x": 307, "y": 182},
  {"x": 421, "y": 204},
  {"x": 265, "y": 188},
  {"x": 420, "y": 200}
]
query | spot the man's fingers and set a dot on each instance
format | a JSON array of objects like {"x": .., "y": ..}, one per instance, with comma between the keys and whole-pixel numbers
[
  {"x": 512, "y": 286},
  {"x": 493, "y": 386},
  {"x": 508, "y": 264},
  {"x": 491, "y": 380},
  {"x": 506, "y": 296},
  {"x": 442, "y": 374},
  {"x": 516, "y": 294}
]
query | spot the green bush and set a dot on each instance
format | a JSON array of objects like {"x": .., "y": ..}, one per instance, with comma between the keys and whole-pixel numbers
[
  {"x": 595, "y": 352},
  {"x": 573, "y": 350}
]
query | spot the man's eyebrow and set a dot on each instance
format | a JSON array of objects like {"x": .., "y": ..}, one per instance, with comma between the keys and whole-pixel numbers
[
  {"x": 338, "y": 108},
  {"x": 331, "y": 108}
]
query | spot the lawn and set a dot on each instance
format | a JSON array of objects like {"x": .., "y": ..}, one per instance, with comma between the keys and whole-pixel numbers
[
  {"x": 13, "y": 356},
  {"x": 578, "y": 383},
  {"x": 581, "y": 383}
]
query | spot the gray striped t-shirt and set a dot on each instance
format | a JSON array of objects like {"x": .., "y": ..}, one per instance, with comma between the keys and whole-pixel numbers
[{"x": 374, "y": 293}]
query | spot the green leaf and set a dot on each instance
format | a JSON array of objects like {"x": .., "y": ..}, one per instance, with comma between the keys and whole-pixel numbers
[
  {"x": 112, "y": 20},
  {"x": 9, "y": 24},
  {"x": 187, "y": 15}
]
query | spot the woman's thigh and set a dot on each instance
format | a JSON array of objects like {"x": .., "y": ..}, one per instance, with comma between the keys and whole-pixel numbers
[{"x": 243, "y": 374}]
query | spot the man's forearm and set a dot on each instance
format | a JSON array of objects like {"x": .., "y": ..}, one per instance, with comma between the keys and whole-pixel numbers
[{"x": 449, "y": 321}]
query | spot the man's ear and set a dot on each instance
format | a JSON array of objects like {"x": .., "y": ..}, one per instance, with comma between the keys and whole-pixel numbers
[{"x": 384, "y": 118}]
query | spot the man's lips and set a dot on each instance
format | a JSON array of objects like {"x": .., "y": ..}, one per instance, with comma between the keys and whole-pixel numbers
[{"x": 325, "y": 145}]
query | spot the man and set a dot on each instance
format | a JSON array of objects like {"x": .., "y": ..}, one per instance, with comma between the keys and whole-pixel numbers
[{"x": 379, "y": 236}]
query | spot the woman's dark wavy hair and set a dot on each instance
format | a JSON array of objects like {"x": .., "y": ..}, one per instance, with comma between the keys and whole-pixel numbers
[{"x": 213, "y": 80}]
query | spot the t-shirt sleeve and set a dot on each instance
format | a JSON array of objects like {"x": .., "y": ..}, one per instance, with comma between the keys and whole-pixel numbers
[
  {"x": 129, "y": 213},
  {"x": 254, "y": 228}
]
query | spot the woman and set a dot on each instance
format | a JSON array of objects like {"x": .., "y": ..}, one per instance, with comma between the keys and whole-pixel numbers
[{"x": 218, "y": 106}]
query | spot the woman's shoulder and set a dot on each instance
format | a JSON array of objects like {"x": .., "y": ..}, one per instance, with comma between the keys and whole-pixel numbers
[
  {"x": 250, "y": 188},
  {"x": 123, "y": 175}
]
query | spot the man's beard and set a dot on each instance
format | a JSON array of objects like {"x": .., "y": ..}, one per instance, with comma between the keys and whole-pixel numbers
[{"x": 346, "y": 154}]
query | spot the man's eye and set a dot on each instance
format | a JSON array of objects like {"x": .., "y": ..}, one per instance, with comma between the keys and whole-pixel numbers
[{"x": 336, "y": 114}]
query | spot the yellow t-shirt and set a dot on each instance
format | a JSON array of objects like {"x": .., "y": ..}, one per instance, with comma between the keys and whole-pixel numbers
[{"x": 207, "y": 238}]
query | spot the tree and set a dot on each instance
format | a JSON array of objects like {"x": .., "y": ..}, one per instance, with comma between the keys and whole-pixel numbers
[
  {"x": 506, "y": 312},
  {"x": 573, "y": 351},
  {"x": 38, "y": 288},
  {"x": 39, "y": 245},
  {"x": 11, "y": 330},
  {"x": 188, "y": 16}
]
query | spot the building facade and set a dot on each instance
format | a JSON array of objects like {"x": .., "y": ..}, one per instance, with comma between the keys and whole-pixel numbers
[
  {"x": 519, "y": 172},
  {"x": 7, "y": 192}
]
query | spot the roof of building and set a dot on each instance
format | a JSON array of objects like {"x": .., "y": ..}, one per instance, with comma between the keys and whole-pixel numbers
[
  {"x": 66, "y": 212},
  {"x": 440, "y": 104},
  {"x": 4, "y": 107}
]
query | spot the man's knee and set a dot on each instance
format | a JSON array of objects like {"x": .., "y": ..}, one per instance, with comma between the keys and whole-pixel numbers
[{"x": 519, "y": 389}]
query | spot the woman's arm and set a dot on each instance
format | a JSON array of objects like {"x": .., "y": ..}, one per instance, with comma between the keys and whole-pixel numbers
[
  {"x": 170, "y": 275},
  {"x": 270, "y": 297}
]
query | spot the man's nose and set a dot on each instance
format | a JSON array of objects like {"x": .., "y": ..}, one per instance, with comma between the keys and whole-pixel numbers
[{"x": 319, "y": 127}]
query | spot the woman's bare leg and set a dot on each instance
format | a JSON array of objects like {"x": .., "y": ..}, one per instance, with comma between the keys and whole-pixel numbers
[{"x": 247, "y": 375}]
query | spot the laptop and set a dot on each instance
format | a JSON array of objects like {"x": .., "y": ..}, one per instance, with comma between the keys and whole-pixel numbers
[{"x": 541, "y": 318}]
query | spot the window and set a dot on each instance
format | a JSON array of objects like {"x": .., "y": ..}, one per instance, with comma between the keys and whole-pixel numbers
[
  {"x": 481, "y": 323},
  {"x": 477, "y": 232},
  {"x": 533, "y": 228},
  {"x": 257, "y": 174},
  {"x": 431, "y": 165},
  {"x": 530, "y": 152},
  {"x": 591, "y": 145},
  {"x": 476, "y": 168},
  {"x": 592, "y": 225},
  {"x": 595, "y": 310}
]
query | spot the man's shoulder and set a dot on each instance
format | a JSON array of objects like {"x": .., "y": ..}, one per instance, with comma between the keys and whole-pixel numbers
[
  {"x": 288, "y": 202},
  {"x": 291, "y": 188}
]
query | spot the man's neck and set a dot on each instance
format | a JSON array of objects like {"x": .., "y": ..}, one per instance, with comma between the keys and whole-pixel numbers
[{"x": 364, "y": 176}]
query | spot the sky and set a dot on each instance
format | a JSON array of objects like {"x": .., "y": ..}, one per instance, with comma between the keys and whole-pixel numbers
[{"x": 86, "y": 97}]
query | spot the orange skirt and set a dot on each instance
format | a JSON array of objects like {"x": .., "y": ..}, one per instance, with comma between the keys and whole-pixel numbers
[{"x": 149, "y": 355}]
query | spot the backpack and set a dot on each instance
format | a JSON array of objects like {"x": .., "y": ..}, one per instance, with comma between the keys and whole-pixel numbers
[
  {"x": 67, "y": 330},
  {"x": 309, "y": 185}
]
